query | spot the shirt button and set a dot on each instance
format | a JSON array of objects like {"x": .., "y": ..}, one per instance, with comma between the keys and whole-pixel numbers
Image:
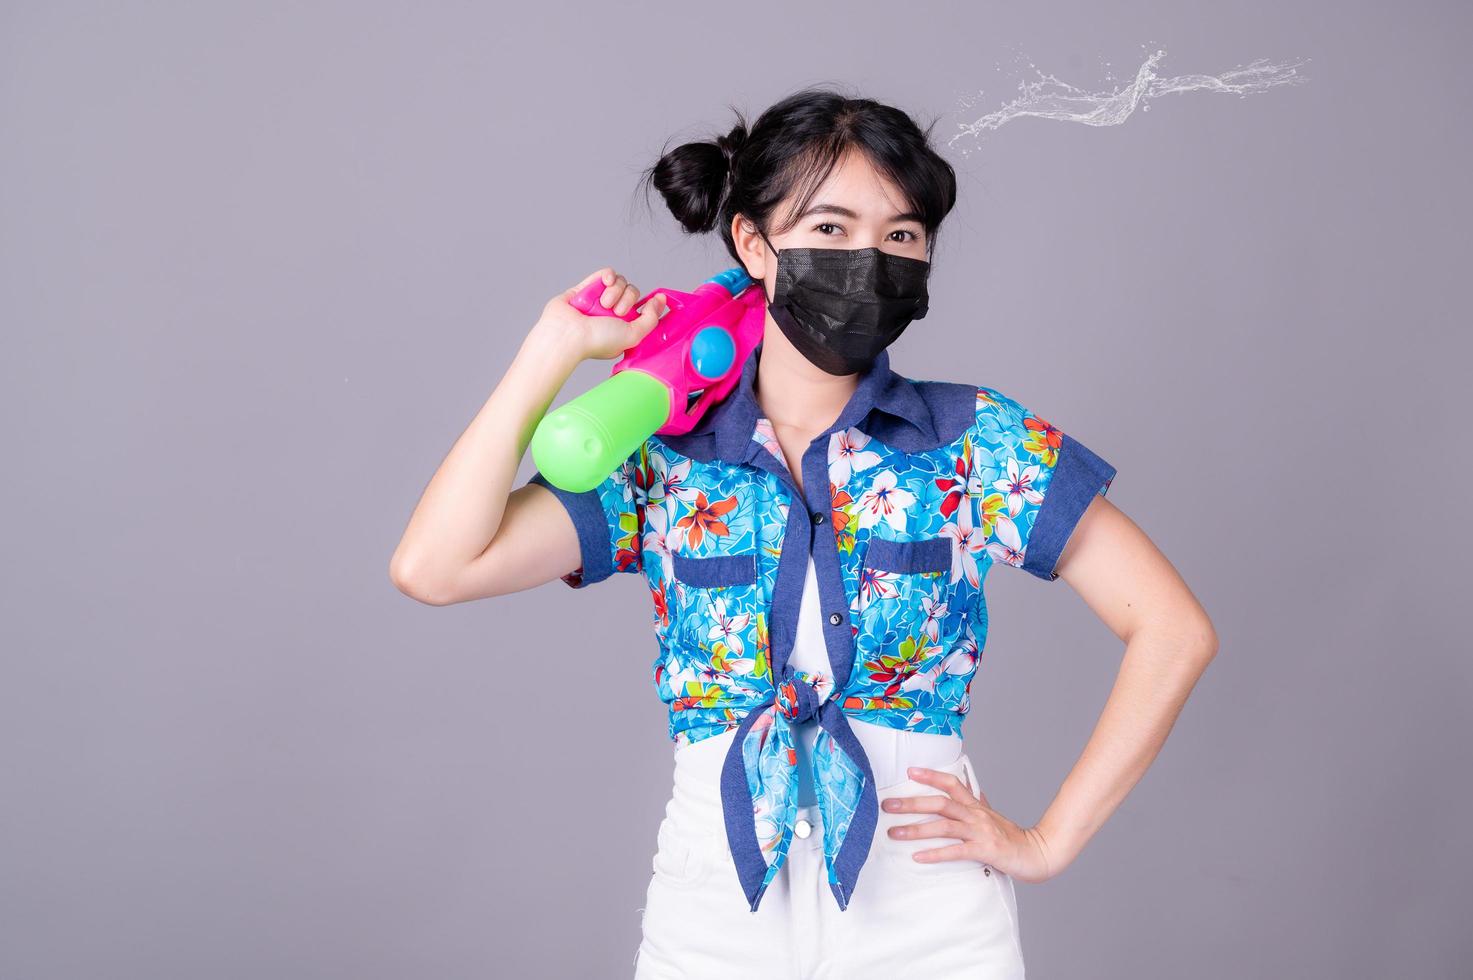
[
  {"x": 802, "y": 828},
  {"x": 835, "y": 618},
  {"x": 818, "y": 517}
]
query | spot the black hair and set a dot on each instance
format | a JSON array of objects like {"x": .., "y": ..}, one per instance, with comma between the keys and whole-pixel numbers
[{"x": 797, "y": 142}]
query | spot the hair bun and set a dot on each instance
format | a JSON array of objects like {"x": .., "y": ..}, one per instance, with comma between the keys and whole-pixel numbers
[
  {"x": 731, "y": 144},
  {"x": 696, "y": 178}
]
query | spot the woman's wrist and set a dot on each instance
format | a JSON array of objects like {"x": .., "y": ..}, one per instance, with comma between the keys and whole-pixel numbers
[
  {"x": 551, "y": 346},
  {"x": 1058, "y": 845},
  {"x": 1049, "y": 850}
]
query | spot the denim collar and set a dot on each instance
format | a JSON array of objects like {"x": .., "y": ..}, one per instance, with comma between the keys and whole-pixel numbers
[{"x": 732, "y": 421}]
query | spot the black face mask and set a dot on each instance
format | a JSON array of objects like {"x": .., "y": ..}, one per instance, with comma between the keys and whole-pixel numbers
[{"x": 841, "y": 306}]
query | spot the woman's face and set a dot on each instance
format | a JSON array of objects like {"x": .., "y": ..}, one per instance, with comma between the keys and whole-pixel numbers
[{"x": 856, "y": 207}]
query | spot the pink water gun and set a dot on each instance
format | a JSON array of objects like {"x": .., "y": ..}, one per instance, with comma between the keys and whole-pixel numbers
[{"x": 663, "y": 385}]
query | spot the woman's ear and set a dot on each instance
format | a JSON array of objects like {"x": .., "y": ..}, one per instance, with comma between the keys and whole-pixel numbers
[{"x": 750, "y": 247}]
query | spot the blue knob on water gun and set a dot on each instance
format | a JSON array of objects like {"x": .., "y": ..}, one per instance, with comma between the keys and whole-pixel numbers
[{"x": 712, "y": 352}]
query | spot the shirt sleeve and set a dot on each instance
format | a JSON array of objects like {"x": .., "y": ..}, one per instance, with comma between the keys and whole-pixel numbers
[
  {"x": 607, "y": 519},
  {"x": 1045, "y": 478}
]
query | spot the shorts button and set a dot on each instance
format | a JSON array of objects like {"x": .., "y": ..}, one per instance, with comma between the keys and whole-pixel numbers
[{"x": 802, "y": 828}]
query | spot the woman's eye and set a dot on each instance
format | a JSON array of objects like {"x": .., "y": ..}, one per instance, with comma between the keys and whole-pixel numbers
[{"x": 899, "y": 231}]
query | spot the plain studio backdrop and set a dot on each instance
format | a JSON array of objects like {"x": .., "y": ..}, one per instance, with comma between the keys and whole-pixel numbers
[{"x": 261, "y": 263}]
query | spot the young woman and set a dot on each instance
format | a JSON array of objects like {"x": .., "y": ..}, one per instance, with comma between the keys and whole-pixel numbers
[{"x": 815, "y": 550}]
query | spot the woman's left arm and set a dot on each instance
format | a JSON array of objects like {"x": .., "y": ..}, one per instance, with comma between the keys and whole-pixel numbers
[{"x": 1169, "y": 641}]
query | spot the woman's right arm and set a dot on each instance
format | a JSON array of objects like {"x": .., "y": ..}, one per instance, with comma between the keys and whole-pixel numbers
[{"x": 471, "y": 535}]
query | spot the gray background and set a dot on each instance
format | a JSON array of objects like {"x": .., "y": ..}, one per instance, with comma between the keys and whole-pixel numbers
[{"x": 260, "y": 264}]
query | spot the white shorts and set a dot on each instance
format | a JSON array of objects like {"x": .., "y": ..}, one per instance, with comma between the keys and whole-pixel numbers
[{"x": 934, "y": 920}]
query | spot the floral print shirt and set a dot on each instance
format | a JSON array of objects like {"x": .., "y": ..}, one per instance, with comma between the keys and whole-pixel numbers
[{"x": 913, "y": 494}]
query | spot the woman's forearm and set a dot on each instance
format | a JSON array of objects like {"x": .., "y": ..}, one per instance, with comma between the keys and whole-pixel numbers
[
  {"x": 1160, "y": 667},
  {"x": 461, "y": 508}
]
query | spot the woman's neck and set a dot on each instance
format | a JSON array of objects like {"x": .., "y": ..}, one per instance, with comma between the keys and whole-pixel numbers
[{"x": 794, "y": 394}]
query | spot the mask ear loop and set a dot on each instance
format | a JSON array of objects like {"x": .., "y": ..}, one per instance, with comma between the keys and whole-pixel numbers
[
  {"x": 777, "y": 257},
  {"x": 772, "y": 248}
]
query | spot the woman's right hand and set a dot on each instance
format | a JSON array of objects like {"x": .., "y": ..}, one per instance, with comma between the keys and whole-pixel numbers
[{"x": 601, "y": 337}]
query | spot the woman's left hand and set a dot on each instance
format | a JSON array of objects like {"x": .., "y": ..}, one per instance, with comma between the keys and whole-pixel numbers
[{"x": 984, "y": 834}]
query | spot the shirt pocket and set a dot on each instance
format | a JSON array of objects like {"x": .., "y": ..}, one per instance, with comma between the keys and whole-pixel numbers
[
  {"x": 909, "y": 616},
  {"x": 920, "y": 557},
  {"x": 714, "y": 571},
  {"x": 721, "y": 620}
]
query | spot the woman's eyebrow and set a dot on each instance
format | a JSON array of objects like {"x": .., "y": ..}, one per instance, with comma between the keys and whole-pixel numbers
[{"x": 845, "y": 212}]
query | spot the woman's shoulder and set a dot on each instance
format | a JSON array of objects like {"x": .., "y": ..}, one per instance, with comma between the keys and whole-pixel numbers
[{"x": 960, "y": 406}]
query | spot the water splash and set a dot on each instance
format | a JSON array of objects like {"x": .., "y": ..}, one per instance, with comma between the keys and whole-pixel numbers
[{"x": 1051, "y": 98}]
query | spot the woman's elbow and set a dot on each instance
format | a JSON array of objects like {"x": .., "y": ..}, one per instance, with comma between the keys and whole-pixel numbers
[
  {"x": 1209, "y": 639},
  {"x": 1185, "y": 634},
  {"x": 413, "y": 582},
  {"x": 1200, "y": 636}
]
